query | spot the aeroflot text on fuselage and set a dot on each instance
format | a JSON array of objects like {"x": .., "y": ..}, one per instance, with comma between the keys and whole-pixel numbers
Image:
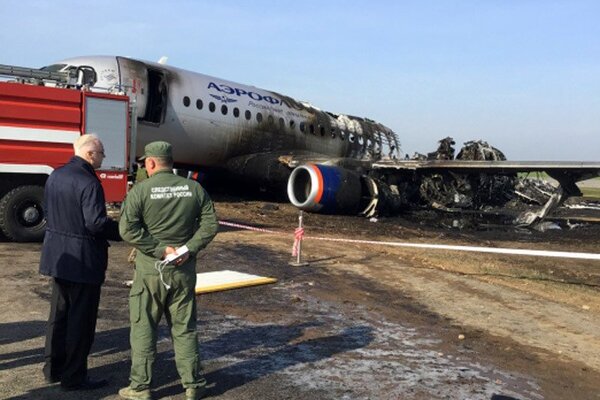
[{"x": 253, "y": 95}]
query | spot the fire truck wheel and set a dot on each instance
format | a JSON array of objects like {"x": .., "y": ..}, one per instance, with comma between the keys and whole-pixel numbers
[{"x": 22, "y": 216}]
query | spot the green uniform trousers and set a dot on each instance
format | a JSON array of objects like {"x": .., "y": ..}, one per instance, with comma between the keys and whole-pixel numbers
[{"x": 149, "y": 299}]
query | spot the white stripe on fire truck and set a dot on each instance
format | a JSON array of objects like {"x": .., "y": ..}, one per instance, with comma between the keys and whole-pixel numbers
[{"x": 37, "y": 135}]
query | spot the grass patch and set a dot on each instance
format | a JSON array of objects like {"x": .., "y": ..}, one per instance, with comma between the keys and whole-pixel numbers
[
  {"x": 534, "y": 175},
  {"x": 590, "y": 192}
]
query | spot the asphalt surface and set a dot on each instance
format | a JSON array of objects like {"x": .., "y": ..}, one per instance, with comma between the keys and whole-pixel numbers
[{"x": 356, "y": 323}]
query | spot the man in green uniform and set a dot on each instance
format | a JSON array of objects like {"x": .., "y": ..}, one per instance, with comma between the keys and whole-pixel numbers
[{"x": 161, "y": 215}]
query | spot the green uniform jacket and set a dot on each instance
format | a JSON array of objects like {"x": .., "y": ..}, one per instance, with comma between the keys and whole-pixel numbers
[{"x": 166, "y": 210}]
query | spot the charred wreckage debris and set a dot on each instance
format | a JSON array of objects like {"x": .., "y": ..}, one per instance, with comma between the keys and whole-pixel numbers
[{"x": 467, "y": 194}]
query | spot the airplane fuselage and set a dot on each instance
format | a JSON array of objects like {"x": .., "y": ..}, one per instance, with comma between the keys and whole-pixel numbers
[{"x": 210, "y": 121}]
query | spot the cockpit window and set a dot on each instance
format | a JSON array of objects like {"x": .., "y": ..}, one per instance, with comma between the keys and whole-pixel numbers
[{"x": 53, "y": 67}]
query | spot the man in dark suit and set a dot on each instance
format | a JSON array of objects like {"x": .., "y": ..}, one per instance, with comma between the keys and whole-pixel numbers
[{"x": 75, "y": 255}]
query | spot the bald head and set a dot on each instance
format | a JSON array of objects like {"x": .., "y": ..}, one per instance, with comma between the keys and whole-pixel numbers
[
  {"x": 87, "y": 142},
  {"x": 90, "y": 148}
]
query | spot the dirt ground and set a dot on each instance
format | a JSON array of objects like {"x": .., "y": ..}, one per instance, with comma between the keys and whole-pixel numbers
[{"x": 360, "y": 321}]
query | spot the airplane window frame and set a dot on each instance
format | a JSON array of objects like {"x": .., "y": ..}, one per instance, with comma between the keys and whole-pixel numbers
[
  {"x": 199, "y": 104},
  {"x": 212, "y": 107},
  {"x": 186, "y": 101},
  {"x": 248, "y": 115}
]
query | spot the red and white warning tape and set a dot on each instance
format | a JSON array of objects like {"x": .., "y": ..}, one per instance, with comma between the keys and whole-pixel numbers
[
  {"x": 299, "y": 236},
  {"x": 248, "y": 227}
]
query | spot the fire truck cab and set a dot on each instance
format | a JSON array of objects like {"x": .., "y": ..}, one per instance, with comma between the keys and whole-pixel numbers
[{"x": 40, "y": 118}]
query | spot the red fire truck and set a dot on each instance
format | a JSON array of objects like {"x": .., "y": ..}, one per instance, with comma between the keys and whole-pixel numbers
[{"x": 38, "y": 125}]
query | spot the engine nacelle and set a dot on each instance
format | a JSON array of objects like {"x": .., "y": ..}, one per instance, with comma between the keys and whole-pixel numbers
[{"x": 327, "y": 189}]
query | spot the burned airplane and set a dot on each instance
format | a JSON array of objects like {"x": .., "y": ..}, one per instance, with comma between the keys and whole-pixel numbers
[{"x": 332, "y": 163}]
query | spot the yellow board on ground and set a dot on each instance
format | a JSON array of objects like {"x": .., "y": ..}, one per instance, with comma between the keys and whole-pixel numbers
[{"x": 216, "y": 281}]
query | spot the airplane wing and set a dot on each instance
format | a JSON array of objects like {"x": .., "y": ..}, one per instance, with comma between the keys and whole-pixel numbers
[
  {"x": 325, "y": 184},
  {"x": 567, "y": 173}
]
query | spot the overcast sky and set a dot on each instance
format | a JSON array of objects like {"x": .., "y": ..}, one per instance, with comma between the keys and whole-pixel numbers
[{"x": 524, "y": 75}]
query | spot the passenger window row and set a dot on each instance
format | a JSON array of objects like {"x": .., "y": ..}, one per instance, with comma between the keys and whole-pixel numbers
[{"x": 334, "y": 132}]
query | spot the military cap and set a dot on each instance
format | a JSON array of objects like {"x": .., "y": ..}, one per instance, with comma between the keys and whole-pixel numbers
[{"x": 158, "y": 149}]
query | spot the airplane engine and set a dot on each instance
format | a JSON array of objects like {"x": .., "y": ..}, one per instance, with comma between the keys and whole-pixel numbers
[{"x": 330, "y": 190}]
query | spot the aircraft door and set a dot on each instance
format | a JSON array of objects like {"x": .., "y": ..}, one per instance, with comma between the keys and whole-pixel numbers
[
  {"x": 134, "y": 80},
  {"x": 156, "y": 105}
]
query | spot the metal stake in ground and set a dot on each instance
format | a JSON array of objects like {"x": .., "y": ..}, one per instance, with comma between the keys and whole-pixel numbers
[{"x": 297, "y": 248}]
